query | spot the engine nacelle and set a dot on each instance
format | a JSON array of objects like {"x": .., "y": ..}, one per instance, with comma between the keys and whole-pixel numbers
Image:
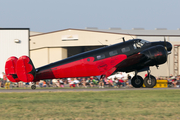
[{"x": 156, "y": 55}]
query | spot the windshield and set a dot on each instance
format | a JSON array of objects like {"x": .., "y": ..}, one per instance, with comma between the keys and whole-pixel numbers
[{"x": 141, "y": 43}]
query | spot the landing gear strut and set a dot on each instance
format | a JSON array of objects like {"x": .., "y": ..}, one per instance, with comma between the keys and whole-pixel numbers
[
  {"x": 33, "y": 86},
  {"x": 149, "y": 80}
]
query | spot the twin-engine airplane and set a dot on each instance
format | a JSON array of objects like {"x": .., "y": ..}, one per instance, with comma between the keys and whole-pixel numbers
[{"x": 132, "y": 55}]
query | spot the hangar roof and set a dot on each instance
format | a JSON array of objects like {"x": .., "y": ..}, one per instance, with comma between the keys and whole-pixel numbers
[
  {"x": 136, "y": 32},
  {"x": 148, "y": 32},
  {"x": 34, "y": 33}
]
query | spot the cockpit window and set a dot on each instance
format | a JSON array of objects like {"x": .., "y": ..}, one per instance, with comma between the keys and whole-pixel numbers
[
  {"x": 134, "y": 45},
  {"x": 141, "y": 43}
]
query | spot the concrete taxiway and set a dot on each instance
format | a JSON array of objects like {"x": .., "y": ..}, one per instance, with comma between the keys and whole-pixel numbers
[{"x": 78, "y": 89}]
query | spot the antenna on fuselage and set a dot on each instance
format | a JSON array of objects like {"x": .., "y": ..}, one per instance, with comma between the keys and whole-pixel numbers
[
  {"x": 100, "y": 42},
  {"x": 123, "y": 39},
  {"x": 130, "y": 35}
]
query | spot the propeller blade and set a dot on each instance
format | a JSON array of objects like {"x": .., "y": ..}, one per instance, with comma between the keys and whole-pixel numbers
[{"x": 165, "y": 44}]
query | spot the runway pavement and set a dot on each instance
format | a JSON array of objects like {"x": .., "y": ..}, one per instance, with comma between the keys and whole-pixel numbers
[{"x": 77, "y": 89}]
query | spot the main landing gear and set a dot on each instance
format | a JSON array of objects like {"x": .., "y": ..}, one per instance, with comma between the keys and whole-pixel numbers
[
  {"x": 137, "y": 81},
  {"x": 33, "y": 86},
  {"x": 149, "y": 81}
]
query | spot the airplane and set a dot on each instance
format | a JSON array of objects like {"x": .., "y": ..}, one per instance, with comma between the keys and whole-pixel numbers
[{"x": 131, "y": 55}]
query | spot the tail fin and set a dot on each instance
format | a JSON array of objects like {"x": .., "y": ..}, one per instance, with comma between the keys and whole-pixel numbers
[
  {"x": 25, "y": 69},
  {"x": 10, "y": 69}
]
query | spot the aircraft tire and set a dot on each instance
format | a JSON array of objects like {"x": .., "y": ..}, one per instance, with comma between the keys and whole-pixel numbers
[
  {"x": 150, "y": 83},
  {"x": 137, "y": 81},
  {"x": 33, "y": 87}
]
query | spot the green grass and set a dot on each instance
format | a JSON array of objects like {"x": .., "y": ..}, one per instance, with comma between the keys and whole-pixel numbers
[{"x": 106, "y": 105}]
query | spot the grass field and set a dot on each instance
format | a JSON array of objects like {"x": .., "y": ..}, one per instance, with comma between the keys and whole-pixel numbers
[{"x": 108, "y": 105}]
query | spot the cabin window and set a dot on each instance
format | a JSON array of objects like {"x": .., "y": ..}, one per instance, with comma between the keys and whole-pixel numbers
[
  {"x": 125, "y": 49},
  {"x": 100, "y": 56},
  {"x": 112, "y": 53}
]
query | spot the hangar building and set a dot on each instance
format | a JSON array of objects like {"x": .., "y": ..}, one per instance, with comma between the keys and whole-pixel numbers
[
  {"x": 49, "y": 47},
  {"x": 13, "y": 42}
]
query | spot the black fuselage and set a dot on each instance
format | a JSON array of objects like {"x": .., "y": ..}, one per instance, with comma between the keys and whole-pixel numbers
[{"x": 129, "y": 48}]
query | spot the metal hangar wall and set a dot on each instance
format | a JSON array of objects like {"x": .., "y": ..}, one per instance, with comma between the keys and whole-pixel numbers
[{"x": 13, "y": 42}]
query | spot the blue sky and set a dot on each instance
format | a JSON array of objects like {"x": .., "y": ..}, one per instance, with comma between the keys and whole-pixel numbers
[{"x": 51, "y": 15}]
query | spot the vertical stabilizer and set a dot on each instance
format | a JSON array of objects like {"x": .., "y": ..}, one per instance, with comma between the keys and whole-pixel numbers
[
  {"x": 25, "y": 69},
  {"x": 10, "y": 69}
]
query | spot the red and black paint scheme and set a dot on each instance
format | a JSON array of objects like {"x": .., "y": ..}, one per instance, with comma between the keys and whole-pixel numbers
[{"x": 132, "y": 55}]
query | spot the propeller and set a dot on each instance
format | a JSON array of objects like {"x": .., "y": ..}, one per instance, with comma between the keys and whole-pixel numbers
[
  {"x": 165, "y": 44},
  {"x": 166, "y": 47}
]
